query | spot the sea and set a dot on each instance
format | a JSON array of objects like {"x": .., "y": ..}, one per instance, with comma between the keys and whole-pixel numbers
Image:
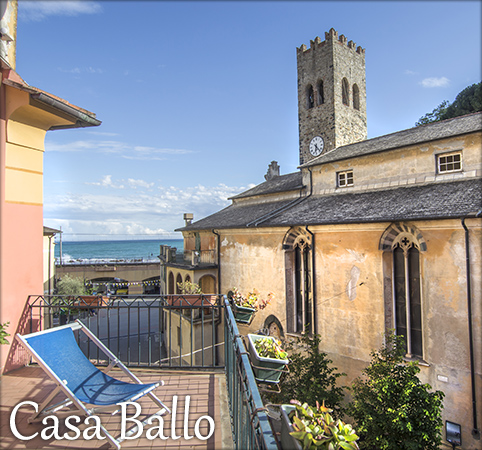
[{"x": 136, "y": 250}]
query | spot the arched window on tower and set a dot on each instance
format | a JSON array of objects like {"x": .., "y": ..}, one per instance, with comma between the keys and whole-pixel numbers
[
  {"x": 345, "y": 92},
  {"x": 310, "y": 97},
  {"x": 321, "y": 93},
  {"x": 356, "y": 97}
]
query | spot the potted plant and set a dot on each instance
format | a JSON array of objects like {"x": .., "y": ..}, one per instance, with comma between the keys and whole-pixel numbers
[
  {"x": 3, "y": 333},
  {"x": 267, "y": 358},
  {"x": 304, "y": 427},
  {"x": 244, "y": 307}
]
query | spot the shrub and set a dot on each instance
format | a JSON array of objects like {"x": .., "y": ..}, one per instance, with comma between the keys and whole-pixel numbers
[
  {"x": 187, "y": 287},
  {"x": 71, "y": 286},
  {"x": 393, "y": 410},
  {"x": 311, "y": 377}
]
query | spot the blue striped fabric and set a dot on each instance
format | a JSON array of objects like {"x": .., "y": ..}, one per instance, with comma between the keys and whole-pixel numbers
[{"x": 60, "y": 352}]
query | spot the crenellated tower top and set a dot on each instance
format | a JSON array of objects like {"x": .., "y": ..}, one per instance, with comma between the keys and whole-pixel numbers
[{"x": 331, "y": 36}]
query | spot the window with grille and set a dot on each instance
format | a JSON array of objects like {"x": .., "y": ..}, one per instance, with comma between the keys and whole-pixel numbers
[
  {"x": 449, "y": 163},
  {"x": 345, "y": 179}
]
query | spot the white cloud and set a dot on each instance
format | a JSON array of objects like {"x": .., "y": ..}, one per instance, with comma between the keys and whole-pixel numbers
[
  {"x": 136, "y": 210},
  {"x": 40, "y": 10},
  {"x": 435, "y": 82},
  {"x": 122, "y": 149},
  {"x": 410, "y": 72},
  {"x": 79, "y": 70},
  {"x": 139, "y": 183}
]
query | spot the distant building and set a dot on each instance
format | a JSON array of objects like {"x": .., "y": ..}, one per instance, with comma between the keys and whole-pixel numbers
[
  {"x": 368, "y": 235},
  {"x": 49, "y": 259},
  {"x": 26, "y": 114}
]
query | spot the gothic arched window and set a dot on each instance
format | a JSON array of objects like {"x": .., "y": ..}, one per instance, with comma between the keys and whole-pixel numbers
[
  {"x": 299, "y": 282},
  {"x": 321, "y": 94},
  {"x": 310, "y": 97},
  {"x": 403, "y": 245},
  {"x": 356, "y": 97},
  {"x": 345, "y": 92}
]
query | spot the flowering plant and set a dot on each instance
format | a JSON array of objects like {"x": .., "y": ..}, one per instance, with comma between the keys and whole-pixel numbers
[
  {"x": 252, "y": 300},
  {"x": 268, "y": 347}
]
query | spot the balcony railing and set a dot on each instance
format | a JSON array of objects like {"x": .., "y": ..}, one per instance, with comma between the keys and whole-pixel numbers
[
  {"x": 174, "y": 331},
  {"x": 249, "y": 418},
  {"x": 201, "y": 257}
]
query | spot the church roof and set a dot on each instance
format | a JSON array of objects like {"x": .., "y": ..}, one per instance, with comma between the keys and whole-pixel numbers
[
  {"x": 282, "y": 183},
  {"x": 416, "y": 202},
  {"x": 417, "y": 135},
  {"x": 237, "y": 215}
]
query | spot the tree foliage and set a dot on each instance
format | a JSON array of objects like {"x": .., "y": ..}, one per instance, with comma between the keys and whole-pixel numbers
[
  {"x": 393, "y": 410},
  {"x": 468, "y": 101},
  {"x": 311, "y": 376},
  {"x": 71, "y": 286}
]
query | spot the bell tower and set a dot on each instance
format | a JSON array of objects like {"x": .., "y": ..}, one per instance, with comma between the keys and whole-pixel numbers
[{"x": 331, "y": 95}]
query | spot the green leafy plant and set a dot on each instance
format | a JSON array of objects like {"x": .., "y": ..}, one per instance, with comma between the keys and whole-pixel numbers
[
  {"x": 3, "y": 333},
  {"x": 315, "y": 428},
  {"x": 268, "y": 347},
  {"x": 252, "y": 300},
  {"x": 311, "y": 377},
  {"x": 187, "y": 287},
  {"x": 71, "y": 286},
  {"x": 393, "y": 410}
]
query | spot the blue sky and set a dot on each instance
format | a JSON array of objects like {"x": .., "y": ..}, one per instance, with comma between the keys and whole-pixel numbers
[{"x": 197, "y": 98}]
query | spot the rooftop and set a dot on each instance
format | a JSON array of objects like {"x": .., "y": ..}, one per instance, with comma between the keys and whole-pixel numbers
[{"x": 441, "y": 200}]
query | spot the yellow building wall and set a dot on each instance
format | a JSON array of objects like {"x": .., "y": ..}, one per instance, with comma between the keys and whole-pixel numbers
[
  {"x": 351, "y": 303},
  {"x": 408, "y": 165}
]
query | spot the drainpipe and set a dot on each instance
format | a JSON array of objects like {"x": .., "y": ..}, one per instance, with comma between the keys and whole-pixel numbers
[
  {"x": 219, "y": 259},
  {"x": 475, "y": 430}
]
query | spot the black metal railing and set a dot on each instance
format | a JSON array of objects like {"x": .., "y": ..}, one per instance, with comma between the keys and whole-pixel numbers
[
  {"x": 172, "y": 331},
  {"x": 175, "y": 331},
  {"x": 249, "y": 419}
]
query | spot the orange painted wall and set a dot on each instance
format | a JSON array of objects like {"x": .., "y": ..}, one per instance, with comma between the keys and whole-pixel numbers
[{"x": 21, "y": 267}]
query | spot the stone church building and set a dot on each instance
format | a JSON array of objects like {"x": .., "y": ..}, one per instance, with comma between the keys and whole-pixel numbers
[{"x": 368, "y": 235}]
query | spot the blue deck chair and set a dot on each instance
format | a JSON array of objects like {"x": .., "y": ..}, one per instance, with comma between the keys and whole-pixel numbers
[{"x": 57, "y": 352}]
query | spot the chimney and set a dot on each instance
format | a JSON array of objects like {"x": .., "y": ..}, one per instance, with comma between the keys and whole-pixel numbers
[
  {"x": 273, "y": 171},
  {"x": 188, "y": 218}
]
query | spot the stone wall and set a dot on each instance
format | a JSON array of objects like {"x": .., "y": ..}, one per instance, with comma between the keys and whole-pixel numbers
[{"x": 329, "y": 62}]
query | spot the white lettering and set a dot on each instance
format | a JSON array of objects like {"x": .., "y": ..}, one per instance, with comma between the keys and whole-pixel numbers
[
  {"x": 160, "y": 433},
  {"x": 55, "y": 429},
  {"x": 71, "y": 427},
  {"x": 13, "y": 426},
  {"x": 173, "y": 418},
  {"x": 96, "y": 434},
  {"x": 186, "y": 417},
  {"x": 138, "y": 427},
  {"x": 97, "y": 431},
  {"x": 211, "y": 428}
]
